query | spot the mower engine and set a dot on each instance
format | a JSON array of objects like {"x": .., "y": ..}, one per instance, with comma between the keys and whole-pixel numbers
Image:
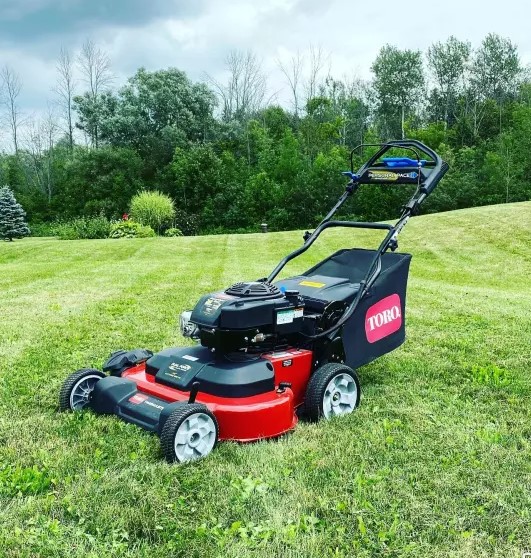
[{"x": 244, "y": 316}]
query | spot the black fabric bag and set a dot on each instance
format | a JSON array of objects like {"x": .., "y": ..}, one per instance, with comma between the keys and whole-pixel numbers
[{"x": 378, "y": 323}]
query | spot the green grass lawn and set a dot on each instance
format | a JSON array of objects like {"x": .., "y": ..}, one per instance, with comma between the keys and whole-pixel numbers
[{"x": 435, "y": 463}]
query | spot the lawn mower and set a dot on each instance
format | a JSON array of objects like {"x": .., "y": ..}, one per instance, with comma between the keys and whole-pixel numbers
[{"x": 268, "y": 351}]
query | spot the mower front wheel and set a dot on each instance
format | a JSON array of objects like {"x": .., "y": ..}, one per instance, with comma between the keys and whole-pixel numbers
[
  {"x": 190, "y": 433},
  {"x": 333, "y": 390},
  {"x": 77, "y": 388}
]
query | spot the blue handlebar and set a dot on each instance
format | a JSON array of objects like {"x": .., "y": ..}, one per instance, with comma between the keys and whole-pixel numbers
[{"x": 393, "y": 162}]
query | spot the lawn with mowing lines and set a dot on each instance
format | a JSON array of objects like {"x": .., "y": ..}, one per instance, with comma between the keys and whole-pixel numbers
[{"x": 436, "y": 461}]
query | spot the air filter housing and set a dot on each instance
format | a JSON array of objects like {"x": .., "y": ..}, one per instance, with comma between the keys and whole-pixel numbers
[{"x": 254, "y": 289}]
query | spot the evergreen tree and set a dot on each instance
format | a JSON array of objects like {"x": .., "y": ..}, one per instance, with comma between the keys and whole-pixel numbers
[{"x": 12, "y": 216}]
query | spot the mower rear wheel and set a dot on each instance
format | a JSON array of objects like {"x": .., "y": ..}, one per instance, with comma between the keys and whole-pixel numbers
[
  {"x": 77, "y": 388},
  {"x": 333, "y": 390},
  {"x": 189, "y": 433}
]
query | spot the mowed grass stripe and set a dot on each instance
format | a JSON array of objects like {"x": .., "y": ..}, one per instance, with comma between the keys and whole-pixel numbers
[
  {"x": 70, "y": 284},
  {"x": 124, "y": 302}
]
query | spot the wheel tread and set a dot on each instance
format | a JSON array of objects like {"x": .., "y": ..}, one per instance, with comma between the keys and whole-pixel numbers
[
  {"x": 70, "y": 382},
  {"x": 317, "y": 384},
  {"x": 167, "y": 436}
]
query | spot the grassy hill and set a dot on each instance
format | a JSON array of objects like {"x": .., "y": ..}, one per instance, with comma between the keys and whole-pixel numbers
[{"x": 436, "y": 461}]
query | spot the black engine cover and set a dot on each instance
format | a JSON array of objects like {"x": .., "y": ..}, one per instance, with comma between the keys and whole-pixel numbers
[
  {"x": 229, "y": 320},
  {"x": 224, "y": 311}
]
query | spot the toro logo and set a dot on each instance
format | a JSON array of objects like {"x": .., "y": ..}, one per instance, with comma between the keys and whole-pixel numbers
[
  {"x": 138, "y": 398},
  {"x": 383, "y": 318}
]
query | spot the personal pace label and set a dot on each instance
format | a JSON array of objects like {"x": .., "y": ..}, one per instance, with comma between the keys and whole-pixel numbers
[{"x": 383, "y": 318}]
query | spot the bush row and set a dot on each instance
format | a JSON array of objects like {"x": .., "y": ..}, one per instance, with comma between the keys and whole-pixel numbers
[
  {"x": 98, "y": 227},
  {"x": 150, "y": 212}
]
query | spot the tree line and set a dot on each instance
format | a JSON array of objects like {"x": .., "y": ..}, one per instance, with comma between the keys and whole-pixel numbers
[{"x": 231, "y": 157}]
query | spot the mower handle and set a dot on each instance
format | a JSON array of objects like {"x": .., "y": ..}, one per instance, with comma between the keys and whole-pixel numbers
[
  {"x": 438, "y": 170},
  {"x": 415, "y": 146}
]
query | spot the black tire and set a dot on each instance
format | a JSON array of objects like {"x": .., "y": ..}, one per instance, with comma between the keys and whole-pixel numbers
[
  {"x": 65, "y": 395},
  {"x": 317, "y": 387},
  {"x": 171, "y": 428}
]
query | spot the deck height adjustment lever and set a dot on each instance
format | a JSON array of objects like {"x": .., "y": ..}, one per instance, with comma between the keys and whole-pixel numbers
[
  {"x": 193, "y": 392},
  {"x": 283, "y": 386}
]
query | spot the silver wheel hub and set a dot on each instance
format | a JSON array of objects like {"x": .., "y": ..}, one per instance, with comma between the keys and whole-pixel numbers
[
  {"x": 340, "y": 396},
  {"x": 195, "y": 437},
  {"x": 81, "y": 392}
]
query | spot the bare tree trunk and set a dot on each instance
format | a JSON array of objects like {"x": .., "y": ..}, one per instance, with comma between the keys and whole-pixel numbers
[
  {"x": 292, "y": 73},
  {"x": 65, "y": 90},
  {"x": 248, "y": 144},
  {"x": 245, "y": 91},
  {"x": 477, "y": 117},
  {"x": 508, "y": 177},
  {"x": 12, "y": 86},
  {"x": 507, "y": 188},
  {"x": 35, "y": 149},
  {"x": 39, "y": 145},
  {"x": 50, "y": 129},
  {"x": 95, "y": 68},
  {"x": 402, "y": 122},
  {"x": 317, "y": 63},
  {"x": 446, "y": 110},
  {"x": 501, "y": 108}
]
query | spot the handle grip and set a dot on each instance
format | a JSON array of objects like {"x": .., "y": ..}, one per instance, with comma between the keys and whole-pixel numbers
[
  {"x": 439, "y": 170},
  {"x": 435, "y": 177}
]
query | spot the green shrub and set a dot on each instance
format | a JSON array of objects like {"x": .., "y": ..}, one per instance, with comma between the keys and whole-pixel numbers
[
  {"x": 188, "y": 223},
  {"x": 130, "y": 229},
  {"x": 82, "y": 228},
  {"x": 43, "y": 229},
  {"x": 152, "y": 209},
  {"x": 173, "y": 231}
]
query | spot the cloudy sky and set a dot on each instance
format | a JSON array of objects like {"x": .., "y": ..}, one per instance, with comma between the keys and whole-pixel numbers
[{"x": 196, "y": 35}]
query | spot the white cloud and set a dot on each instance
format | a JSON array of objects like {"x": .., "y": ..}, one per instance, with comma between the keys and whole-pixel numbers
[{"x": 350, "y": 32}]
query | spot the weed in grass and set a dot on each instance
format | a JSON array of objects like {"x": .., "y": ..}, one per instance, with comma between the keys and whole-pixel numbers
[
  {"x": 253, "y": 534},
  {"x": 22, "y": 481},
  {"x": 248, "y": 486},
  {"x": 489, "y": 375}
]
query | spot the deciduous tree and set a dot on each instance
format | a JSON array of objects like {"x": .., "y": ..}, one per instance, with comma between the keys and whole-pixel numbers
[
  {"x": 448, "y": 63},
  {"x": 245, "y": 89},
  {"x": 65, "y": 91},
  {"x": 398, "y": 83},
  {"x": 95, "y": 70},
  {"x": 11, "y": 87},
  {"x": 495, "y": 71}
]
